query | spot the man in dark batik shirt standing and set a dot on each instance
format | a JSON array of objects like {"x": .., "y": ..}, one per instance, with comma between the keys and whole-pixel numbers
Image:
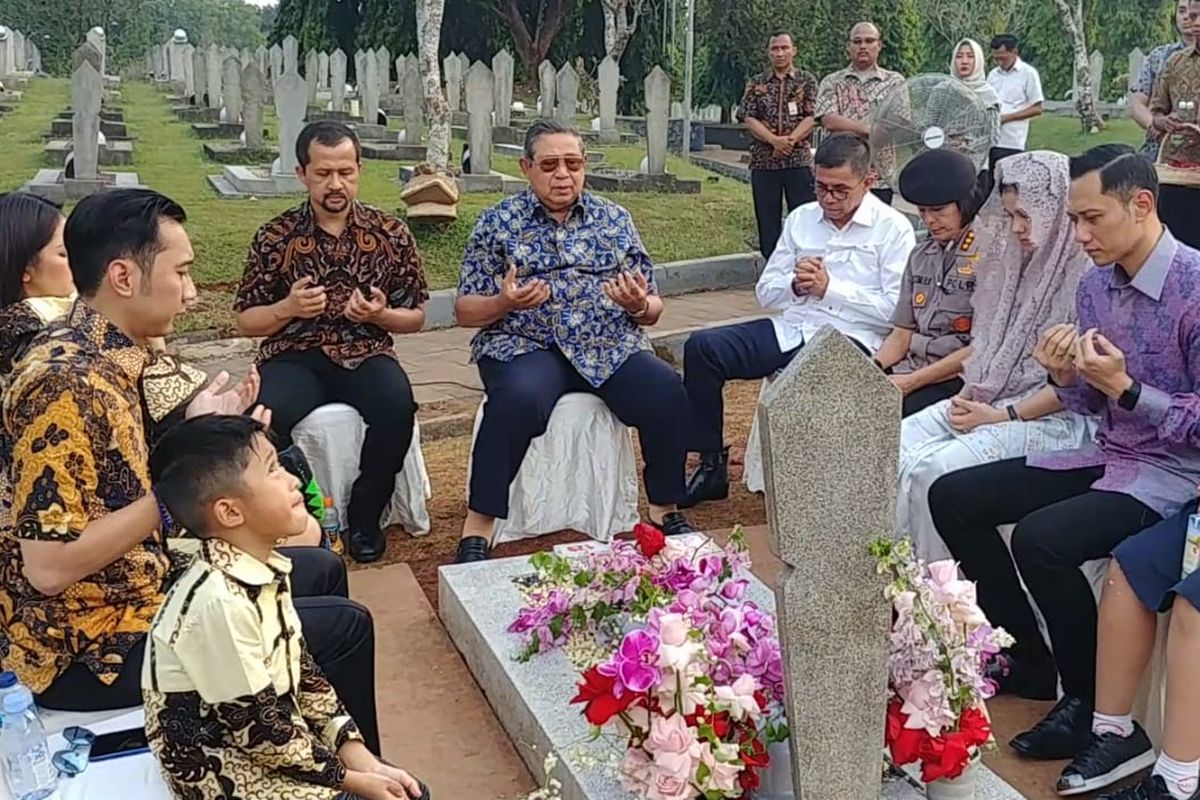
[
  {"x": 778, "y": 110},
  {"x": 328, "y": 283}
]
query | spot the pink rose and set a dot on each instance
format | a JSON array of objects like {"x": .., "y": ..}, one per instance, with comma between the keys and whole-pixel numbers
[
  {"x": 671, "y": 735},
  {"x": 669, "y": 787},
  {"x": 942, "y": 572}
]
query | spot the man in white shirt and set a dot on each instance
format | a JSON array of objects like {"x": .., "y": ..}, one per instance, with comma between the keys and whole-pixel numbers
[
  {"x": 838, "y": 262},
  {"x": 1021, "y": 98}
]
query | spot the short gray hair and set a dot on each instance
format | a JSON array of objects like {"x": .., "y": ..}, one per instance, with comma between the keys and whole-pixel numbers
[{"x": 548, "y": 127}]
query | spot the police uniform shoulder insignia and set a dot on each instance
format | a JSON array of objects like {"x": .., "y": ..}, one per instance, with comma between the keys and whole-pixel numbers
[
  {"x": 919, "y": 299},
  {"x": 968, "y": 242}
]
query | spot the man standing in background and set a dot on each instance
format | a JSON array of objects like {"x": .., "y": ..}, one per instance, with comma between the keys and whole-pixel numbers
[
  {"x": 847, "y": 97},
  {"x": 778, "y": 109},
  {"x": 1143, "y": 83},
  {"x": 1020, "y": 90}
]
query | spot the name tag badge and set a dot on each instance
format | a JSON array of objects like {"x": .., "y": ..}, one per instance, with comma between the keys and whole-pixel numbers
[{"x": 793, "y": 109}]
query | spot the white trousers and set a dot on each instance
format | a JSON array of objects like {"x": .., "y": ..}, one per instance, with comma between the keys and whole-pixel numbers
[{"x": 930, "y": 448}]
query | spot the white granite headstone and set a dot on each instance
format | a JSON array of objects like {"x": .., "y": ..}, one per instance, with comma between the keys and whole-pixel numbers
[
  {"x": 610, "y": 83},
  {"x": 231, "y": 89},
  {"x": 87, "y": 90},
  {"x": 369, "y": 89},
  {"x": 254, "y": 97},
  {"x": 454, "y": 81},
  {"x": 383, "y": 57},
  {"x": 337, "y": 81},
  {"x": 213, "y": 61},
  {"x": 566, "y": 91},
  {"x": 291, "y": 106},
  {"x": 413, "y": 93},
  {"x": 502, "y": 71},
  {"x": 310, "y": 75},
  {"x": 199, "y": 75},
  {"x": 291, "y": 54},
  {"x": 99, "y": 40},
  {"x": 481, "y": 98},
  {"x": 322, "y": 70},
  {"x": 657, "y": 88},
  {"x": 276, "y": 59},
  {"x": 547, "y": 82},
  {"x": 1136, "y": 59}
]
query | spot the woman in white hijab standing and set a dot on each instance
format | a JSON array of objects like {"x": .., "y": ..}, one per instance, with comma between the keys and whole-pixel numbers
[{"x": 967, "y": 65}]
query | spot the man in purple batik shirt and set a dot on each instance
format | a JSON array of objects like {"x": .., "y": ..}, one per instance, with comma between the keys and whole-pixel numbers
[{"x": 1134, "y": 362}]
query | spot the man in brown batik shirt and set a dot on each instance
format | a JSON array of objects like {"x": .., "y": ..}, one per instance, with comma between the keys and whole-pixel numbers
[
  {"x": 778, "y": 110},
  {"x": 328, "y": 283}
]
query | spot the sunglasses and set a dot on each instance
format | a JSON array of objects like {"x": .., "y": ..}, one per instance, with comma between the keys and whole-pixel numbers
[
  {"x": 74, "y": 760},
  {"x": 550, "y": 163}
]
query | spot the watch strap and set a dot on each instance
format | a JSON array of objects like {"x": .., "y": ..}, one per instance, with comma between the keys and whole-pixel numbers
[{"x": 1129, "y": 398}]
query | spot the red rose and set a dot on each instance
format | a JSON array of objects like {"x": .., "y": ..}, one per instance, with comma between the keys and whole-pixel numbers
[
  {"x": 721, "y": 725},
  {"x": 601, "y": 704},
  {"x": 748, "y": 779},
  {"x": 650, "y": 540}
]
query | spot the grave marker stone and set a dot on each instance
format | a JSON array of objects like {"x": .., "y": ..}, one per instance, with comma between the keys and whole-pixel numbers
[
  {"x": 87, "y": 89},
  {"x": 502, "y": 72},
  {"x": 610, "y": 83},
  {"x": 276, "y": 56},
  {"x": 7, "y": 56},
  {"x": 214, "y": 61},
  {"x": 85, "y": 52},
  {"x": 97, "y": 39},
  {"x": 35, "y": 60},
  {"x": 199, "y": 76},
  {"x": 310, "y": 75},
  {"x": 567, "y": 92},
  {"x": 291, "y": 54},
  {"x": 19, "y": 58},
  {"x": 175, "y": 51},
  {"x": 254, "y": 97},
  {"x": 369, "y": 89},
  {"x": 360, "y": 70},
  {"x": 831, "y": 412},
  {"x": 481, "y": 99},
  {"x": 1097, "y": 64},
  {"x": 291, "y": 105},
  {"x": 264, "y": 60},
  {"x": 337, "y": 80},
  {"x": 322, "y": 70},
  {"x": 231, "y": 89},
  {"x": 414, "y": 99},
  {"x": 657, "y": 88},
  {"x": 454, "y": 78},
  {"x": 189, "y": 72},
  {"x": 1136, "y": 59},
  {"x": 547, "y": 81},
  {"x": 383, "y": 58}
]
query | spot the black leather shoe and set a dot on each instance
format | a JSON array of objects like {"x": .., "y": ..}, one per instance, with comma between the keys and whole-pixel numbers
[
  {"x": 1153, "y": 787},
  {"x": 1108, "y": 758},
  {"x": 1031, "y": 680},
  {"x": 710, "y": 481},
  {"x": 1064, "y": 733},
  {"x": 472, "y": 549},
  {"x": 366, "y": 547},
  {"x": 675, "y": 524}
]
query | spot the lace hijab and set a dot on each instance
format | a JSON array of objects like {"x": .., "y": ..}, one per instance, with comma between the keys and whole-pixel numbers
[{"x": 1017, "y": 297}]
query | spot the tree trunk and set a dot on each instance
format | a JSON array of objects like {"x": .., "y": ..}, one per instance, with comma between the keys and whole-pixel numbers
[
  {"x": 1090, "y": 119},
  {"x": 620, "y": 24},
  {"x": 437, "y": 110},
  {"x": 532, "y": 48}
]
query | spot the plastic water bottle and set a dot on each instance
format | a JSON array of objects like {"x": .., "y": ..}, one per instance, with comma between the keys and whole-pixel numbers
[
  {"x": 27, "y": 766},
  {"x": 331, "y": 524},
  {"x": 8, "y": 685}
]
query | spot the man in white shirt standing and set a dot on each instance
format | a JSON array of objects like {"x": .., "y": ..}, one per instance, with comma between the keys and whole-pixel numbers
[
  {"x": 1020, "y": 90},
  {"x": 838, "y": 262}
]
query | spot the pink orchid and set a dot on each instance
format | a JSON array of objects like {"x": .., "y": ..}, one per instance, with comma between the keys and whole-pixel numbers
[
  {"x": 634, "y": 663},
  {"x": 740, "y": 698}
]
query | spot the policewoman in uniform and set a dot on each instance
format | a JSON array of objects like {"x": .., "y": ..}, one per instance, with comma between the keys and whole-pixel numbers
[{"x": 931, "y": 336}]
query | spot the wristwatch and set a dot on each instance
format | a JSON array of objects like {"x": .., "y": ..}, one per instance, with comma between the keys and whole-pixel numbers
[{"x": 1129, "y": 398}]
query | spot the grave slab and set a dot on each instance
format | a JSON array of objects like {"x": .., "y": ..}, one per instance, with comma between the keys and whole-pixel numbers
[
  {"x": 492, "y": 183},
  {"x": 53, "y": 186},
  {"x": 197, "y": 114},
  {"x": 242, "y": 181},
  {"x": 386, "y": 151},
  {"x": 476, "y": 604},
  {"x": 61, "y": 129},
  {"x": 112, "y": 154},
  {"x": 217, "y": 130},
  {"x": 612, "y": 180}
]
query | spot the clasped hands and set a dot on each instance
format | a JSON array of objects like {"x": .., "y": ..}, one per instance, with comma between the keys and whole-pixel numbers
[
  {"x": 809, "y": 277},
  {"x": 783, "y": 146},
  {"x": 307, "y": 300},
  {"x": 1067, "y": 355}
]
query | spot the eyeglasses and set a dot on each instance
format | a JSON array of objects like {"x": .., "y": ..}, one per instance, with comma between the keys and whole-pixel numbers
[
  {"x": 838, "y": 194},
  {"x": 550, "y": 163},
  {"x": 74, "y": 760}
]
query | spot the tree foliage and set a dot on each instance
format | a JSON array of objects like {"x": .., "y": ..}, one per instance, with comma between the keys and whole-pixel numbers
[{"x": 132, "y": 26}]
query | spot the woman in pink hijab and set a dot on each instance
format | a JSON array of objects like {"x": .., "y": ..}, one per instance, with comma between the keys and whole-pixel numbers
[{"x": 1028, "y": 268}]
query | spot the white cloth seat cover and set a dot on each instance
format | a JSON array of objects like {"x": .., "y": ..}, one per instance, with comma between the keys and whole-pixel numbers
[
  {"x": 332, "y": 437},
  {"x": 752, "y": 463},
  {"x": 579, "y": 475}
]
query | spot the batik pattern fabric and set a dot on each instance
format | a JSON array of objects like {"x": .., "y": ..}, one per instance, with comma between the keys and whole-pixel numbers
[
  {"x": 780, "y": 103},
  {"x": 375, "y": 250},
  {"x": 596, "y": 243},
  {"x": 75, "y": 437},
  {"x": 1179, "y": 82},
  {"x": 235, "y": 705},
  {"x": 1144, "y": 83},
  {"x": 856, "y": 95}
]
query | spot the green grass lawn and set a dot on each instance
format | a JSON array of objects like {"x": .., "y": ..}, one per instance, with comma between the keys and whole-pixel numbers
[{"x": 169, "y": 158}]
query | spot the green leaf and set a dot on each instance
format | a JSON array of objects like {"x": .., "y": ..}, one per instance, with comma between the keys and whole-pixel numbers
[{"x": 582, "y": 579}]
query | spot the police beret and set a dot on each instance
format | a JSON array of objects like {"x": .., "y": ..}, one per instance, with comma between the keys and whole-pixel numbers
[{"x": 937, "y": 178}]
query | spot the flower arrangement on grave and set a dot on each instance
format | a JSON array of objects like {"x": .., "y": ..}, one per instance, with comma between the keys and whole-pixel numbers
[
  {"x": 676, "y": 661},
  {"x": 940, "y": 645}
]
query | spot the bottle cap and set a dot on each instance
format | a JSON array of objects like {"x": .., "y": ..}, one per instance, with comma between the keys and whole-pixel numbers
[
  {"x": 8, "y": 679},
  {"x": 328, "y": 501},
  {"x": 18, "y": 701}
]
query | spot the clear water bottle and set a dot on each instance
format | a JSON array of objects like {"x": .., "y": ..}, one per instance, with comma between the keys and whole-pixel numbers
[
  {"x": 331, "y": 523},
  {"x": 8, "y": 685},
  {"x": 27, "y": 766}
]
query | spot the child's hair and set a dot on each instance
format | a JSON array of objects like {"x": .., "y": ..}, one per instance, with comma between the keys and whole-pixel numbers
[{"x": 199, "y": 460}]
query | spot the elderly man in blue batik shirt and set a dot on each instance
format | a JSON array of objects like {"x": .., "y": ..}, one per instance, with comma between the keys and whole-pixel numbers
[{"x": 561, "y": 286}]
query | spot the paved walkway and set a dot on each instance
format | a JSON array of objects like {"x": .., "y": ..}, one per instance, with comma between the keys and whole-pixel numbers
[{"x": 438, "y": 362}]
